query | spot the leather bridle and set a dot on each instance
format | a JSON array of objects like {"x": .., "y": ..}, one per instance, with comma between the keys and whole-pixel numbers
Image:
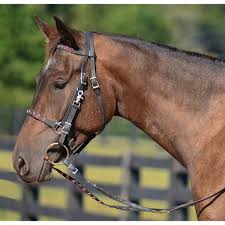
[{"x": 63, "y": 129}]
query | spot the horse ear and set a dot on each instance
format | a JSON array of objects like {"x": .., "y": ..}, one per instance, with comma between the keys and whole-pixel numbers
[
  {"x": 66, "y": 33},
  {"x": 45, "y": 28}
]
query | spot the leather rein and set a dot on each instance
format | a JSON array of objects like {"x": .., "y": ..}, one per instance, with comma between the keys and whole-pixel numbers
[{"x": 63, "y": 129}]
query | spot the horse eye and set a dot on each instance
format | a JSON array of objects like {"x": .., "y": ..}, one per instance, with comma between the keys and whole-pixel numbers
[{"x": 59, "y": 84}]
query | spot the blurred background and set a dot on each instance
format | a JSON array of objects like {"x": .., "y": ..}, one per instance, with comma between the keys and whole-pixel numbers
[{"x": 122, "y": 159}]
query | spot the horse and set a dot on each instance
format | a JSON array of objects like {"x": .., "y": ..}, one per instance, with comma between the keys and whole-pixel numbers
[{"x": 176, "y": 97}]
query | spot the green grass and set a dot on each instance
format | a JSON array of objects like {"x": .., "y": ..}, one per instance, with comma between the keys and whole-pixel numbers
[
  {"x": 10, "y": 190},
  {"x": 6, "y": 161},
  {"x": 8, "y": 215},
  {"x": 56, "y": 197},
  {"x": 114, "y": 146}
]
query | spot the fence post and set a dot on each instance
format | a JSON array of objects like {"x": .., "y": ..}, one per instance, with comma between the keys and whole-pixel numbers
[
  {"x": 183, "y": 180},
  {"x": 135, "y": 178},
  {"x": 134, "y": 174},
  {"x": 74, "y": 201},
  {"x": 30, "y": 197},
  {"x": 126, "y": 180}
]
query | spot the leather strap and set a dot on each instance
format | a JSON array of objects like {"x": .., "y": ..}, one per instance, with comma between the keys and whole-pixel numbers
[
  {"x": 51, "y": 123},
  {"x": 89, "y": 188}
]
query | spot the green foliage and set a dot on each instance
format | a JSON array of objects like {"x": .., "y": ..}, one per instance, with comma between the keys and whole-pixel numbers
[
  {"x": 20, "y": 55},
  {"x": 146, "y": 22},
  {"x": 211, "y": 30},
  {"x": 22, "y": 44}
]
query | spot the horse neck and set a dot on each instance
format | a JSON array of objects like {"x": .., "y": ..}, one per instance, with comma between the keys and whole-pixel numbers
[{"x": 162, "y": 92}]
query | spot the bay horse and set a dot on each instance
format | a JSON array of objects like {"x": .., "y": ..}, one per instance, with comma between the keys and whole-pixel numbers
[{"x": 176, "y": 97}]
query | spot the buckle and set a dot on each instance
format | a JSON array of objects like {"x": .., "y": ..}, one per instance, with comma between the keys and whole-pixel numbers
[
  {"x": 91, "y": 54},
  {"x": 94, "y": 82},
  {"x": 66, "y": 128},
  {"x": 72, "y": 168},
  {"x": 83, "y": 78},
  {"x": 60, "y": 128},
  {"x": 71, "y": 144},
  {"x": 57, "y": 126}
]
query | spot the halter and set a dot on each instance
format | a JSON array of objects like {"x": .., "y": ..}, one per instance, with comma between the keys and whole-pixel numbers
[{"x": 63, "y": 127}]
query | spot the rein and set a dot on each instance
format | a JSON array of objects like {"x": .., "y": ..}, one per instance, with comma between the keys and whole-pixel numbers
[
  {"x": 85, "y": 186},
  {"x": 63, "y": 129}
]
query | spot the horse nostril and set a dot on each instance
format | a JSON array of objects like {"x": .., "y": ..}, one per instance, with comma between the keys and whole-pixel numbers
[{"x": 22, "y": 166}]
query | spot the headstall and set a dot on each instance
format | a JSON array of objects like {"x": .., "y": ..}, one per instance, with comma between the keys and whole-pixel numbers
[{"x": 63, "y": 127}]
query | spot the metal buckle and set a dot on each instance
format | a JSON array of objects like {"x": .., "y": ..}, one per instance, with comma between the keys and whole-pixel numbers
[
  {"x": 66, "y": 128},
  {"x": 82, "y": 78},
  {"x": 57, "y": 126},
  {"x": 70, "y": 166},
  {"x": 71, "y": 144},
  {"x": 72, "y": 169},
  {"x": 94, "y": 82},
  {"x": 56, "y": 144},
  {"x": 91, "y": 54}
]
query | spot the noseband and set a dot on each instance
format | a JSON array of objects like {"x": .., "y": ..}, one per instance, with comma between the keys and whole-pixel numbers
[{"x": 63, "y": 127}]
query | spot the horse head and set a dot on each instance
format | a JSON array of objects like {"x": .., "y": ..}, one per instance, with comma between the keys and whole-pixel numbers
[{"x": 56, "y": 91}]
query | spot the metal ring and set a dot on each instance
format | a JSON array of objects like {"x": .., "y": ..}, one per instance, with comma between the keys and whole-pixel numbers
[{"x": 56, "y": 144}]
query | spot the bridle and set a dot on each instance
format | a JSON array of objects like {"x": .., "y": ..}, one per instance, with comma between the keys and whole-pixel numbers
[{"x": 63, "y": 129}]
